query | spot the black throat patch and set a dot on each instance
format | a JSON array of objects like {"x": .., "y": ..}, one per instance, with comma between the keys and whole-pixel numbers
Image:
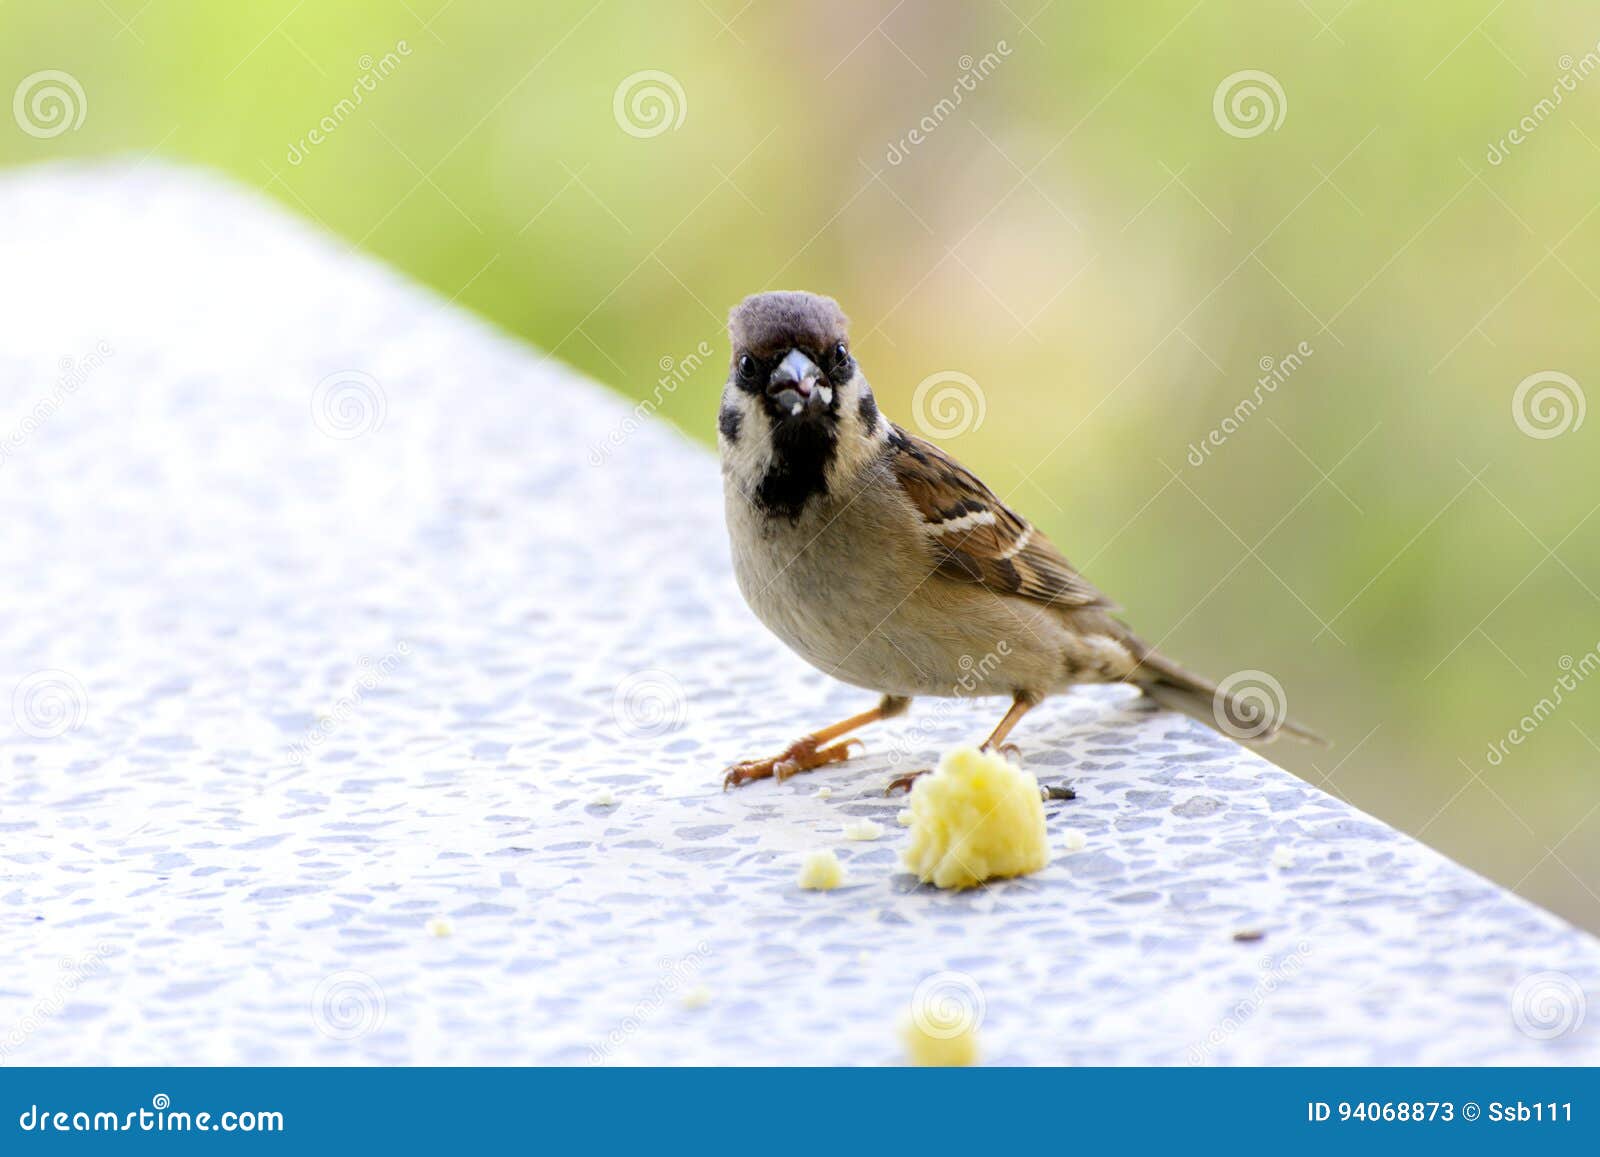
[{"x": 801, "y": 452}]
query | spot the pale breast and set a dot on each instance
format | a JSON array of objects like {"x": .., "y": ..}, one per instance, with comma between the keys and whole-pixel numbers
[{"x": 851, "y": 587}]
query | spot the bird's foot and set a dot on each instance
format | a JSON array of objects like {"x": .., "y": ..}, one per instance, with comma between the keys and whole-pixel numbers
[
  {"x": 904, "y": 782},
  {"x": 1010, "y": 750},
  {"x": 802, "y": 755}
]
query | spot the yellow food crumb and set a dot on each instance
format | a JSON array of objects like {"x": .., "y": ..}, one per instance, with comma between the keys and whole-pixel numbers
[
  {"x": 439, "y": 927},
  {"x": 936, "y": 1049},
  {"x": 821, "y": 871},
  {"x": 978, "y": 817},
  {"x": 824, "y": 793},
  {"x": 603, "y": 798},
  {"x": 1074, "y": 840},
  {"x": 697, "y": 997},
  {"x": 862, "y": 830},
  {"x": 1282, "y": 857},
  {"x": 904, "y": 818}
]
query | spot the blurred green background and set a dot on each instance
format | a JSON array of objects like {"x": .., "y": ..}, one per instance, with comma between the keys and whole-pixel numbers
[{"x": 1081, "y": 236}]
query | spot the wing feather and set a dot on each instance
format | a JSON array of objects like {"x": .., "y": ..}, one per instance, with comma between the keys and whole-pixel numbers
[{"x": 976, "y": 538}]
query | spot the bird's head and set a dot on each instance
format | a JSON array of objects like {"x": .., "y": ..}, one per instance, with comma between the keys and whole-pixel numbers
[{"x": 796, "y": 412}]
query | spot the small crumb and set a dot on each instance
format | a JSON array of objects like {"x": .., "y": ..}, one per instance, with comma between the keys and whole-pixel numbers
[
  {"x": 1282, "y": 857},
  {"x": 1249, "y": 935},
  {"x": 824, "y": 793},
  {"x": 821, "y": 871},
  {"x": 862, "y": 830},
  {"x": 697, "y": 997},
  {"x": 440, "y": 927},
  {"x": 904, "y": 818},
  {"x": 941, "y": 1047},
  {"x": 1059, "y": 791},
  {"x": 603, "y": 798},
  {"x": 1073, "y": 840}
]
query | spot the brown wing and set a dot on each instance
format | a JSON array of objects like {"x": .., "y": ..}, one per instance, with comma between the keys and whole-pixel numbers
[{"x": 976, "y": 537}]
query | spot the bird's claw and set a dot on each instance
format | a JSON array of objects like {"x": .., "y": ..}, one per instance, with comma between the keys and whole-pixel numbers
[{"x": 802, "y": 755}]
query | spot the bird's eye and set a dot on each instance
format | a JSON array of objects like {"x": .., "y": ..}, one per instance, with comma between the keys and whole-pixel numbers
[
  {"x": 840, "y": 354},
  {"x": 747, "y": 366}
]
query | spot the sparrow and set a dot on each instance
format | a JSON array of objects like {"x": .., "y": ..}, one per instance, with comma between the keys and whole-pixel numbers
[{"x": 883, "y": 562}]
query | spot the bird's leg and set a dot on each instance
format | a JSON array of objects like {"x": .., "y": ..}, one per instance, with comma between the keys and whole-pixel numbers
[
  {"x": 1021, "y": 703},
  {"x": 815, "y": 750}
]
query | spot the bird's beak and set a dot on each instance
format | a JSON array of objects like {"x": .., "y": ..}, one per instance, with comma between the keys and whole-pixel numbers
[{"x": 796, "y": 385}]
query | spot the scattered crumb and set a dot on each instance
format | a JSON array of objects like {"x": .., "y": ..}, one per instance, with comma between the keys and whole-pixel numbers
[
  {"x": 603, "y": 798},
  {"x": 938, "y": 1050},
  {"x": 1074, "y": 840},
  {"x": 862, "y": 830},
  {"x": 697, "y": 997},
  {"x": 904, "y": 818},
  {"x": 1282, "y": 857},
  {"x": 821, "y": 871},
  {"x": 824, "y": 793},
  {"x": 440, "y": 927},
  {"x": 1059, "y": 791},
  {"x": 976, "y": 818},
  {"x": 1249, "y": 935}
]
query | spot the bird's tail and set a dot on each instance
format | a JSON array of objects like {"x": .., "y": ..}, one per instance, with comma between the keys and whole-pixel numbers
[{"x": 1249, "y": 706}]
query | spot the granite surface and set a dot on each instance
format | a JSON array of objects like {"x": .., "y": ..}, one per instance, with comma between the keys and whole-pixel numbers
[{"x": 333, "y": 619}]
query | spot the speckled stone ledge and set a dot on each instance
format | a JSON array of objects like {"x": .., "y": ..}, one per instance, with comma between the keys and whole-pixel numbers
[{"x": 330, "y": 613}]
